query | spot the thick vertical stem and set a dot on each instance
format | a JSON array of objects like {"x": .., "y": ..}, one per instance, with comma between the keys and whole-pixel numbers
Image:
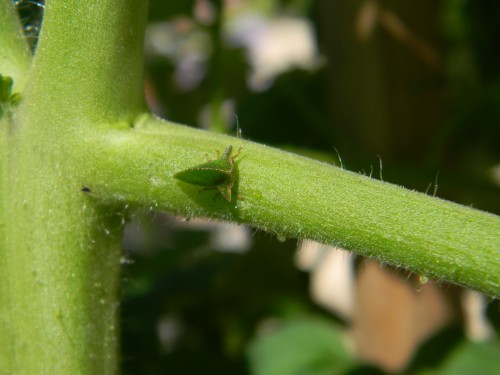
[
  {"x": 60, "y": 253},
  {"x": 89, "y": 60},
  {"x": 15, "y": 56}
]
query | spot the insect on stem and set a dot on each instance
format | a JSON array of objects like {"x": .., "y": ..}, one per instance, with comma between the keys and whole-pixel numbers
[{"x": 219, "y": 174}]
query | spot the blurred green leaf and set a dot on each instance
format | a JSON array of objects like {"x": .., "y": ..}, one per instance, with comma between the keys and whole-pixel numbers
[
  {"x": 473, "y": 359},
  {"x": 308, "y": 347}
]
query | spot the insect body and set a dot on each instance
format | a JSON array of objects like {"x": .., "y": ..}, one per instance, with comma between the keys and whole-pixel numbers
[{"x": 217, "y": 174}]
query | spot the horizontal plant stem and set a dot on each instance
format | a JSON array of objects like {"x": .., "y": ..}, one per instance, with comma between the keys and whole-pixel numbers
[{"x": 293, "y": 196}]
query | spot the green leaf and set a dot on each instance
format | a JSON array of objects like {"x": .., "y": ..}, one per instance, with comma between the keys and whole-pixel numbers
[
  {"x": 309, "y": 346},
  {"x": 473, "y": 358}
]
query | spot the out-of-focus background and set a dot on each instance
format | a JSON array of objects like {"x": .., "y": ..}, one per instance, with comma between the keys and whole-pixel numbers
[{"x": 411, "y": 85}]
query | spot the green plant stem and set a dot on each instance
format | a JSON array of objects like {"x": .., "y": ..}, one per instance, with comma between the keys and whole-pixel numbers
[
  {"x": 89, "y": 60},
  {"x": 79, "y": 125},
  {"x": 60, "y": 253},
  {"x": 15, "y": 56},
  {"x": 293, "y": 196},
  {"x": 15, "y": 59}
]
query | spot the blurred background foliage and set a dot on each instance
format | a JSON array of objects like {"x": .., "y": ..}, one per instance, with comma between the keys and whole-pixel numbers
[{"x": 414, "y": 84}]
